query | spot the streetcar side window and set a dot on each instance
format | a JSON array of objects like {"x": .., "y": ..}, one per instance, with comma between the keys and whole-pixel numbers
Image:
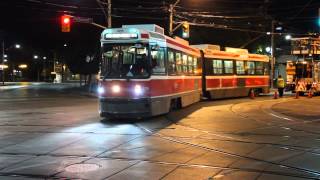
[
  {"x": 250, "y": 67},
  {"x": 228, "y": 67},
  {"x": 171, "y": 63},
  {"x": 157, "y": 61},
  {"x": 240, "y": 68},
  {"x": 185, "y": 63},
  {"x": 259, "y": 68},
  {"x": 217, "y": 66},
  {"x": 178, "y": 62},
  {"x": 195, "y": 66},
  {"x": 190, "y": 64}
]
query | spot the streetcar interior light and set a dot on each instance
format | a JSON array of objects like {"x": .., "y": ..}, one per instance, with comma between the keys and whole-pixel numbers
[
  {"x": 138, "y": 89},
  {"x": 100, "y": 90},
  {"x": 116, "y": 89}
]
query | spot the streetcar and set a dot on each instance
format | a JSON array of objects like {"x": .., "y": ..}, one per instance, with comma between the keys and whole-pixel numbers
[{"x": 146, "y": 73}]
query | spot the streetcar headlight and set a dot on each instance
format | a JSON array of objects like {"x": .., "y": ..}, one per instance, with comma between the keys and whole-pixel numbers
[
  {"x": 138, "y": 90},
  {"x": 100, "y": 90},
  {"x": 116, "y": 89}
]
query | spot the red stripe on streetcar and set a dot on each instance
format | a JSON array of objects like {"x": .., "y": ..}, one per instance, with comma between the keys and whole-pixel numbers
[
  {"x": 236, "y": 82},
  {"x": 162, "y": 87},
  {"x": 155, "y": 87}
]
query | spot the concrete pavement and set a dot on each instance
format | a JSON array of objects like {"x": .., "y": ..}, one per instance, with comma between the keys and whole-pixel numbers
[{"x": 50, "y": 134}]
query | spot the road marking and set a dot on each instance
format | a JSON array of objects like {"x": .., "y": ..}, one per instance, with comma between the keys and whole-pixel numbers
[{"x": 285, "y": 118}]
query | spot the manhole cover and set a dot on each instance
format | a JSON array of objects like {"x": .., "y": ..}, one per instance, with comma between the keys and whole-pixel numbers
[{"x": 79, "y": 168}]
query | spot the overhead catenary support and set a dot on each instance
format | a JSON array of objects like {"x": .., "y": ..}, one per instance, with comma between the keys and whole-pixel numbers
[
  {"x": 272, "y": 58},
  {"x": 109, "y": 14},
  {"x": 106, "y": 11},
  {"x": 3, "y": 63}
]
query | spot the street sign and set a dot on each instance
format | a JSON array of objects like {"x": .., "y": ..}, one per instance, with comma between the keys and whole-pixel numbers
[{"x": 82, "y": 19}]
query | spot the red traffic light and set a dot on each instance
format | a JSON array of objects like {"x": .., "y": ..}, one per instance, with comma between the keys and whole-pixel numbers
[
  {"x": 66, "y": 20},
  {"x": 65, "y": 23}
]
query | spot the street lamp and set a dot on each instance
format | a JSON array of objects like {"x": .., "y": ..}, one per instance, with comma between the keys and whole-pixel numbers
[
  {"x": 288, "y": 37},
  {"x": 268, "y": 49},
  {"x": 17, "y": 46},
  {"x": 4, "y": 56},
  {"x": 23, "y": 66},
  {"x": 3, "y": 66}
]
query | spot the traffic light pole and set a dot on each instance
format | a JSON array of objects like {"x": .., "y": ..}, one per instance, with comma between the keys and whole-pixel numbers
[{"x": 171, "y": 10}]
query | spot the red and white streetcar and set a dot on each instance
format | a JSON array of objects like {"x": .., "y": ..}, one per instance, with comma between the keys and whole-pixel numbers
[
  {"x": 145, "y": 73},
  {"x": 233, "y": 72}
]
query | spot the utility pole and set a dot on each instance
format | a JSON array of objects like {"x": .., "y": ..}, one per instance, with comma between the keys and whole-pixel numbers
[
  {"x": 171, "y": 11},
  {"x": 3, "y": 62},
  {"x": 109, "y": 14},
  {"x": 272, "y": 73}
]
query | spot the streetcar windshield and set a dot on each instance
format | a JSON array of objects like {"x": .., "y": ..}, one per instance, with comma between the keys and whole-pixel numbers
[{"x": 125, "y": 61}]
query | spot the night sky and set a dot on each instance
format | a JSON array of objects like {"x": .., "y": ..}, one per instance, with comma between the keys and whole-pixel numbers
[{"x": 35, "y": 23}]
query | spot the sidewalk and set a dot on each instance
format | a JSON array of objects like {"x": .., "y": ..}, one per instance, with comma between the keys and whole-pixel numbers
[{"x": 15, "y": 85}]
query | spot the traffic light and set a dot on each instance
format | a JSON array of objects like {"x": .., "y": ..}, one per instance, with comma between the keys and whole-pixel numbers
[
  {"x": 65, "y": 23},
  {"x": 185, "y": 29}
]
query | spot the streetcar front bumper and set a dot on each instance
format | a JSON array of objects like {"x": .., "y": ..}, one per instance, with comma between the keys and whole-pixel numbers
[{"x": 124, "y": 108}]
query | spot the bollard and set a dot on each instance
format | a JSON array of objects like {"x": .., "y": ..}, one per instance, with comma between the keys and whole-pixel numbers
[
  {"x": 297, "y": 95},
  {"x": 252, "y": 94},
  {"x": 275, "y": 96}
]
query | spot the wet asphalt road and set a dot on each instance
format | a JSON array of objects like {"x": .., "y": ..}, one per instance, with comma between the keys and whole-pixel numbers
[{"x": 48, "y": 132}]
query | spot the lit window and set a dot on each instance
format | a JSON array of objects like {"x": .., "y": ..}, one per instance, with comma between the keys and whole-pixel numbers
[
  {"x": 217, "y": 66},
  {"x": 240, "y": 67},
  {"x": 228, "y": 67}
]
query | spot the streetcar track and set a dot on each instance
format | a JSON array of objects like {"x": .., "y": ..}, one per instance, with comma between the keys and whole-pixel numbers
[
  {"x": 304, "y": 170},
  {"x": 170, "y": 138}
]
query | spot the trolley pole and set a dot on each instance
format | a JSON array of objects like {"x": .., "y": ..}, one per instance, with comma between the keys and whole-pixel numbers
[
  {"x": 109, "y": 14},
  {"x": 272, "y": 73},
  {"x": 171, "y": 11}
]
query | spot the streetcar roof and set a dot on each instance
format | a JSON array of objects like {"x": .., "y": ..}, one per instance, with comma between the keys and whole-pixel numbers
[
  {"x": 149, "y": 33},
  {"x": 215, "y": 52}
]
